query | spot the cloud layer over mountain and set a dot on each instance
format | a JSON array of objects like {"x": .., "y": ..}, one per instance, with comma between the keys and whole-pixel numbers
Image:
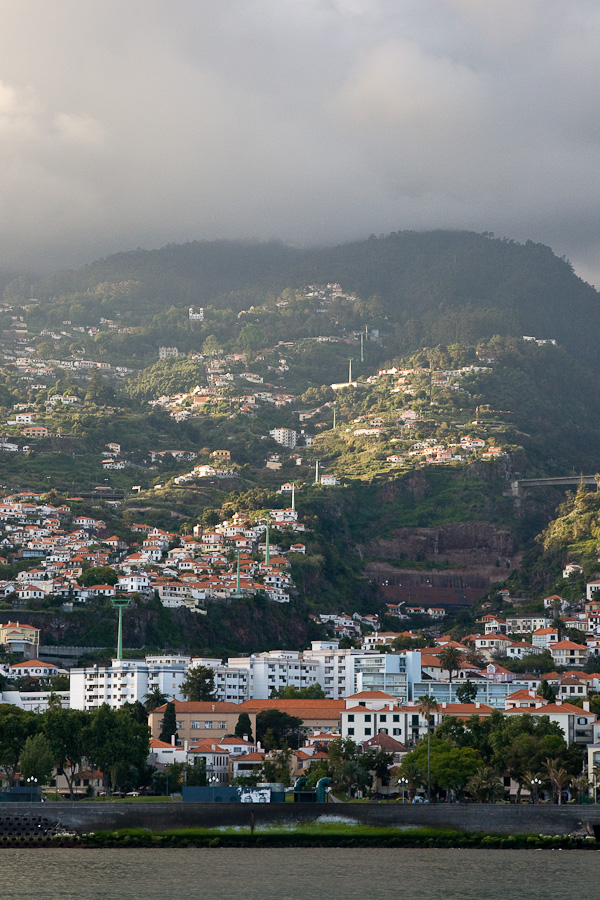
[{"x": 144, "y": 122}]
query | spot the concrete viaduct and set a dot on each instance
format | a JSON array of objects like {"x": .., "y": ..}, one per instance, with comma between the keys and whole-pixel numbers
[{"x": 567, "y": 480}]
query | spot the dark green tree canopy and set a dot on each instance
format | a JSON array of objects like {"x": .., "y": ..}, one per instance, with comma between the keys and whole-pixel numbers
[{"x": 199, "y": 684}]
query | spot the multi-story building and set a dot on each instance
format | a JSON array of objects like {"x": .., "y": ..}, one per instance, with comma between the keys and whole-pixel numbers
[
  {"x": 568, "y": 653},
  {"x": 276, "y": 669},
  {"x": 345, "y": 672},
  {"x": 127, "y": 681},
  {"x": 284, "y": 436},
  {"x": 232, "y": 684},
  {"x": 206, "y": 719},
  {"x": 526, "y": 624},
  {"x": 19, "y": 638}
]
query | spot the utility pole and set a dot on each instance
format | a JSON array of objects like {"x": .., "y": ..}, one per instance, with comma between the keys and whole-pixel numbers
[
  {"x": 362, "y": 349},
  {"x": 316, "y": 471},
  {"x": 120, "y": 603},
  {"x": 350, "y": 369},
  {"x": 237, "y": 588},
  {"x": 334, "y": 411},
  {"x": 293, "y": 495}
]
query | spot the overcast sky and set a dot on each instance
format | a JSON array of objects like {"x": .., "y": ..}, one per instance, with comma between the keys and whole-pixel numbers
[{"x": 127, "y": 123}]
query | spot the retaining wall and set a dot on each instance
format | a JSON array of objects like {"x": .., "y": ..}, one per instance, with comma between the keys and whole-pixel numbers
[{"x": 86, "y": 817}]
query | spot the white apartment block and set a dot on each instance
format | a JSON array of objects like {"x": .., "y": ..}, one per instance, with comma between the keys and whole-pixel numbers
[
  {"x": 276, "y": 669},
  {"x": 232, "y": 685},
  {"x": 345, "y": 672},
  {"x": 284, "y": 436},
  {"x": 127, "y": 681}
]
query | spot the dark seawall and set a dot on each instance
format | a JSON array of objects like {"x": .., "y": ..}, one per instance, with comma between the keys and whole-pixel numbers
[{"x": 83, "y": 817}]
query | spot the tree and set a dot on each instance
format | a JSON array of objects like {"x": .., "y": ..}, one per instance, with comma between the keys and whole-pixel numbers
[
  {"x": 16, "y": 725},
  {"x": 116, "y": 744},
  {"x": 243, "y": 728},
  {"x": 275, "y": 728},
  {"x": 466, "y": 692},
  {"x": 414, "y": 775},
  {"x": 313, "y": 692},
  {"x": 98, "y": 575},
  {"x": 276, "y": 768},
  {"x": 64, "y": 730},
  {"x": 485, "y": 785},
  {"x": 199, "y": 684},
  {"x": 195, "y": 774},
  {"x": 450, "y": 659},
  {"x": 450, "y": 767},
  {"x": 378, "y": 762},
  {"x": 547, "y": 691},
  {"x": 37, "y": 759},
  {"x": 168, "y": 727},
  {"x": 154, "y": 698},
  {"x": 347, "y": 770},
  {"x": 559, "y": 777}
]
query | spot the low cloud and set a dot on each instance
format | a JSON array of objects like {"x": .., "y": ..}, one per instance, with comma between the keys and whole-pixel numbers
[{"x": 136, "y": 124}]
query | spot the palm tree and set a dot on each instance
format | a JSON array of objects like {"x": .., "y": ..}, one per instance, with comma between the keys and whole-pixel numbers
[
  {"x": 485, "y": 785},
  {"x": 154, "y": 698},
  {"x": 414, "y": 777},
  {"x": 428, "y": 706},
  {"x": 582, "y": 786},
  {"x": 450, "y": 658},
  {"x": 559, "y": 777}
]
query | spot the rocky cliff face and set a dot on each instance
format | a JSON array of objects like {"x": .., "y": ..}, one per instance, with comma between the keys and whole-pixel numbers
[{"x": 456, "y": 562}]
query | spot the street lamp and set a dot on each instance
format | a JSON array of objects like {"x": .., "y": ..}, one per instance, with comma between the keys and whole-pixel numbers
[
  {"x": 535, "y": 783},
  {"x": 32, "y": 782},
  {"x": 213, "y": 781},
  {"x": 404, "y": 783}
]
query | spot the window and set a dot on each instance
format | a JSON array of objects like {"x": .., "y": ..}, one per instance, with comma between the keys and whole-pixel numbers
[
  {"x": 367, "y": 731},
  {"x": 351, "y": 717},
  {"x": 220, "y": 725},
  {"x": 351, "y": 731},
  {"x": 208, "y": 724},
  {"x": 368, "y": 717},
  {"x": 396, "y": 731},
  {"x": 179, "y": 724},
  {"x": 383, "y": 718},
  {"x": 415, "y": 720},
  {"x": 194, "y": 724},
  {"x": 395, "y": 718}
]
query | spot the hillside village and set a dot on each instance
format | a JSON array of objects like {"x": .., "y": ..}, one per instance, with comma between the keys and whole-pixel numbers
[{"x": 265, "y": 460}]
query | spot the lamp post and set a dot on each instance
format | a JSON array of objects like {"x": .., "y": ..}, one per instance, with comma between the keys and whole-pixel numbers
[
  {"x": 32, "y": 782},
  {"x": 213, "y": 781},
  {"x": 535, "y": 783},
  {"x": 404, "y": 783}
]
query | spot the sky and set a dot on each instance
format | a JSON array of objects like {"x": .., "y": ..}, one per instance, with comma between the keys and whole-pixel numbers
[{"x": 136, "y": 123}]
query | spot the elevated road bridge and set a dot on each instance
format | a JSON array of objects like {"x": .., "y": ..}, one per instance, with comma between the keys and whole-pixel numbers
[{"x": 566, "y": 480}]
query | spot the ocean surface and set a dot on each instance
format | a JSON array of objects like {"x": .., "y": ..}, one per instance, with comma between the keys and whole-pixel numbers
[{"x": 294, "y": 874}]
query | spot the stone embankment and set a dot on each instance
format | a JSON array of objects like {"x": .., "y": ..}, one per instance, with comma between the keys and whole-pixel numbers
[{"x": 34, "y": 824}]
